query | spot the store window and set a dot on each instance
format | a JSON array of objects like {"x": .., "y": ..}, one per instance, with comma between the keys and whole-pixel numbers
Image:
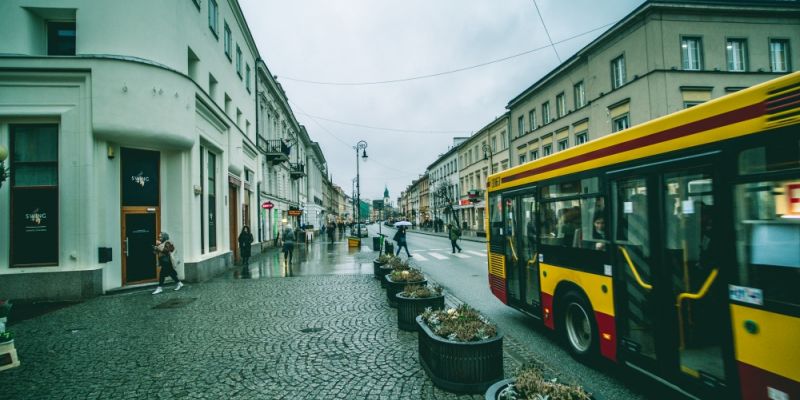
[{"x": 34, "y": 195}]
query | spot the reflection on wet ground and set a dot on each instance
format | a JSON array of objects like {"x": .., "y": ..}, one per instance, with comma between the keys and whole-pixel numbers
[{"x": 320, "y": 257}]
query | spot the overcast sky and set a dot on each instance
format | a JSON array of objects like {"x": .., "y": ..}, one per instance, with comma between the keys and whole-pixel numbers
[{"x": 408, "y": 124}]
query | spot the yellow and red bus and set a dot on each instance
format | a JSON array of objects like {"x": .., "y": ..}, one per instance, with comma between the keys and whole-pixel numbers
[{"x": 672, "y": 247}]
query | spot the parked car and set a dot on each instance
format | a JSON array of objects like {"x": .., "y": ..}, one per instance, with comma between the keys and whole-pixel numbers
[{"x": 359, "y": 230}]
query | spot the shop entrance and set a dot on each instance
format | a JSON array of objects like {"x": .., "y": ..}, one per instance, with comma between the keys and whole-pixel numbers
[{"x": 141, "y": 214}]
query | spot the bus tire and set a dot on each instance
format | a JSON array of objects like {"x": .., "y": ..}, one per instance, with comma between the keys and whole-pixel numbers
[{"x": 577, "y": 326}]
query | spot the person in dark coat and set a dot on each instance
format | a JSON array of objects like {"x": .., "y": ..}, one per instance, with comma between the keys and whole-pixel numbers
[
  {"x": 245, "y": 239},
  {"x": 400, "y": 238}
]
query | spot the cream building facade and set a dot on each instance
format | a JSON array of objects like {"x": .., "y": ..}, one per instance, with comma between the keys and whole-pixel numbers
[
  {"x": 662, "y": 57},
  {"x": 117, "y": 132}
]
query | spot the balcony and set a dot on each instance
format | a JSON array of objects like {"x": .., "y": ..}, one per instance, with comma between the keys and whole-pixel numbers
[
  {"x": 296, "y": 170},
  {"x": 275, "y": 150}
]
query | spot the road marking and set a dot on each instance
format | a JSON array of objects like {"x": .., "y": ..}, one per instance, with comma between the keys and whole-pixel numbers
[
  {"x": 437, "y": 256},
  {"x": 476, "y": 253},
  {"x": 419, "y": 257},
  {"x": 459, "y": 255}
]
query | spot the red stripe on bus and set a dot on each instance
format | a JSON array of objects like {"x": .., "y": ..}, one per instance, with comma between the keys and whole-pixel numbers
[
  {"x": 730, "y": 117},
  {"x": 498, "y": 287},
  {"x": 547, "y": 311},
  {"x": 754, "y": 382},
  {"x": 607, "y": 335}
]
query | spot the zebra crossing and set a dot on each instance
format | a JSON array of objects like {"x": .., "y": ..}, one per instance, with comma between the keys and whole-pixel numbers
[{"x": 441, "y": 254}]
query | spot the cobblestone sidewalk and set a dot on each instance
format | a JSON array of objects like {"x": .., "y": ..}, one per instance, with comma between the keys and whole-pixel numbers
[{"x": 309, "y": 337}]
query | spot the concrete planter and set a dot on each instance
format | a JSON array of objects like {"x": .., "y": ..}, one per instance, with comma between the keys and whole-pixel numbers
[
  {"x": 461, "y": 367},
  {"x": 408, "y": 308},
  {"x": 494, "y": 391},
  {"x": 384, "y": 270},
  {"x": 376, "y": 269},
  {"x": 395, "y": 287}
]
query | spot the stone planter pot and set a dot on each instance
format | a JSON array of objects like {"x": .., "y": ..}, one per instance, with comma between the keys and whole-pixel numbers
[
  {"x": 461, "y": 367},
  {"x": 395, "y": 287},
  {"x": 384, "y": 270},
  {"x": 376, "y": 269},
  {"x": 494, "y": 391},
  {"x": 408, "y": 308}
]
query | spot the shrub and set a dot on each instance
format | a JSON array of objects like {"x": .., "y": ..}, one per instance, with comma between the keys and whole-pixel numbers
[
  {"x": 407, "y": 275},
  {"x": 385, "y": 258},
  {"x": 421, "y": 292},
  {"x": 531, "y": 385},
  {"x": 461, "y": 324},
  {"x": 399, "y": 264}
]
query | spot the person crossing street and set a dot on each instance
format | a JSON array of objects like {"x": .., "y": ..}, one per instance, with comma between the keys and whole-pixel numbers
[{"x": 454, "y": 234}]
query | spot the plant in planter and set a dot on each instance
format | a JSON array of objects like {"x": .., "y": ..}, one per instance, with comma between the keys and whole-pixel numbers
[
  {"x": 5, "y": 311},
  {"x": 530, "y": 384},
  {"x": 379, "y": 262},
  {"x": 6, "y": 336},
  {"x": 398, "y": 279},
  {"x": 460, "y": 350},
  {"x": 395, "y": 263},
  {"x": 413, "y": 301}
]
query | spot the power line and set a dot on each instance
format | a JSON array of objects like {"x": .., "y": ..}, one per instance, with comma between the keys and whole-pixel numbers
[
  {"x": 549, "y": 39},
  {"x": 412, "y": 78},
  {"x": 382, "y": 128}
]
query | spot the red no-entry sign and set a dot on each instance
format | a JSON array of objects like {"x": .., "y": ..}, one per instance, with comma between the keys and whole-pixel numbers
[{"x": 267, "y": 205}]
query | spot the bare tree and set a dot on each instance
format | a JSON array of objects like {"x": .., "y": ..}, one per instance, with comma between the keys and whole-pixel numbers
[{"x": 444, "y": 198}]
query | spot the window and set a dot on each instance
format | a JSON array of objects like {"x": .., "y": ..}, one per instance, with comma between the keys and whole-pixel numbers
[
  {"x": 34, "y": 194},
  {"x": 736, "y": 51},
  {"x": 494, "y": 145},
  {"x": 581, "y": 137},
  {"x": 212, "y": 87},
  {"x": 534, "y": 155},
  {"x": 520, "y": 126},
  {"x": 228, "y": 40},
  {"x": 247, "y": 77},
  {"x": 563, "y": 144},
  {"x": 546, "y": 113},
  {"x": 239, "y": 61},
  {"x": 691, "y": 51},
  {"x": 618, "y": 72},
  {"x": 580, "y": 95},
  {"x": 61, "y": 38},
  {"x": 213, "y": 16},
  {"x": 522, "y": 159},
  {"x": 547, "y": 150},
  {"x": 561, "y": 105},
  {"x": 620, "y": 123},
  {"x": 212, "y": 202},
  {"x": 574, "y": 222},
  {"x": 532, "y": 119},
  {"x": 779, "y": 55}
]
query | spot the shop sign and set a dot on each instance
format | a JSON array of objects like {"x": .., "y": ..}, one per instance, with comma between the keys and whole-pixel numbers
[
  {"x": 267, "y": 205},
  {"x": 295, "y": 213}
]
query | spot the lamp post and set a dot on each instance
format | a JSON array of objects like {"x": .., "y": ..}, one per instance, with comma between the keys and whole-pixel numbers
[
  {"x": 3, "y": 170},
  {"x": 487, "y": 153},
  {"x": 361, "y": 145}
]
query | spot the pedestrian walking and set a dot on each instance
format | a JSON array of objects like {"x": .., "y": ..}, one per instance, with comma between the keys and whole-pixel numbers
[
  {"x": 331, "y": 230},
  {"x": 245, "y": 239},
  {"x": 400, "y": 238},
  {"x": 288, "y": 243},
  {"x": 165, "y": 255},
  {"x": 454, "y": 234}
]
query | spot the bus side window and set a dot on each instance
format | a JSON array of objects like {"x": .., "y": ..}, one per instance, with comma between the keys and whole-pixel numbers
[{"x": 768, "y": 240}]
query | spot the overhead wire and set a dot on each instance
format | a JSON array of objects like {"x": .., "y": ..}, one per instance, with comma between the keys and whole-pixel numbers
[
  {"x": 429, "y": 131},
  {"x": 453, "y": 71}
]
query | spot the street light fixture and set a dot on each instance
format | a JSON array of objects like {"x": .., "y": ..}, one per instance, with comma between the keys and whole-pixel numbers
[
  {"x": 487, "y": 153},
  {"x": 361, "y": 145},
  {"x": 3, "y": 170}
]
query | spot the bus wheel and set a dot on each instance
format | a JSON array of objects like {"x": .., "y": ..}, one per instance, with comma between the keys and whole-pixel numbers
[{"x": 578, "y": 327}]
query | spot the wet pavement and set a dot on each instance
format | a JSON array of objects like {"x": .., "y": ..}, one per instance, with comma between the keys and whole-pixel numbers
[{"x": 326, "y": 332}]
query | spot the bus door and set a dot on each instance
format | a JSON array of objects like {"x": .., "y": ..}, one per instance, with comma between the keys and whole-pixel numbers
[
  {"x": 673, "y": 318},
  {"x": 522, "y": 256}
]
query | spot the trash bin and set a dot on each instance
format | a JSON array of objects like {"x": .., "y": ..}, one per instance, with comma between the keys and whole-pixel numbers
[
  {"x": 388, "y": 247},
  {"x": 376, "y": 243}
]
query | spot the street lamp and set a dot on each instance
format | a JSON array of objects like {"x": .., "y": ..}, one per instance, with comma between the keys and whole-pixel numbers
[
  {"x": 487, "y": 153},
  {"x": 361, "y": 145},
  {"x": 3, "y": 170}
]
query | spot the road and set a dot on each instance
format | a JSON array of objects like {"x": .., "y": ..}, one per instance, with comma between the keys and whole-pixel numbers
[{"x": 464, "y": 275}]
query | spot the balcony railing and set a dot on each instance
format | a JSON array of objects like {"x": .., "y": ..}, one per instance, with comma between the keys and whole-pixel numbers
[
  {"x": 296, "y": 170},
  {"x": 275, "y": 150}
]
